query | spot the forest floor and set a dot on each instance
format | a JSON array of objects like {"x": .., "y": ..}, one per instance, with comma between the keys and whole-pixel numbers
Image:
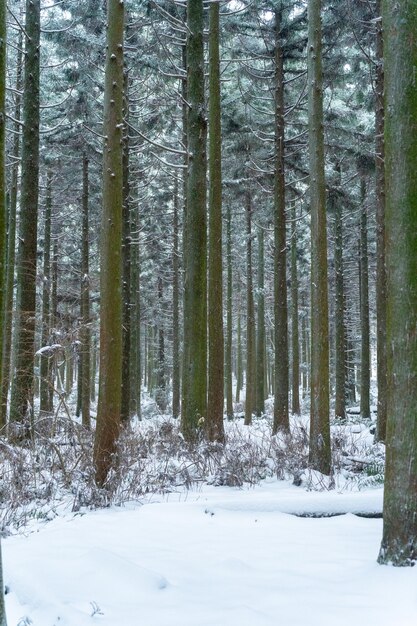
[{"x": 211, "y": 536}]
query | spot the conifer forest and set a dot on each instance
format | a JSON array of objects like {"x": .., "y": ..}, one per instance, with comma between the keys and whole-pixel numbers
[{"x": 208, "y": 311}]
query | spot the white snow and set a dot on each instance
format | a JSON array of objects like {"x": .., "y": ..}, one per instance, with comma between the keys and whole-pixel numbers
[{"x": 215, "y": 557}]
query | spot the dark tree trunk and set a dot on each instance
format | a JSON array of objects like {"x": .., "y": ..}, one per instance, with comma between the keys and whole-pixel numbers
[
  {"x": 85, "y": 334},
  {"x": 229, "y": 303},
  {"x": 260, "y": 344},
  {"x": 175, "y": 310},
  {"x": 250, "y": 318},
  {"x": 45, "y": 358},
  {"x": 364, "y": 307},
  {"x": 294, "y": 319}
]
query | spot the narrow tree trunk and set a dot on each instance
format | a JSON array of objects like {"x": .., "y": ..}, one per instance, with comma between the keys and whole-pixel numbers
[
  {"x": 21, "y": 405},
  {"x": 161, "y": 392},
  {"x": 175, "y": 310},
  {"x": 320, "y": 453},
  {"x": 340, "y": 330},
  {"x": 11, "y": 239},
  {"x": 364, "y": 307},
  {"x": 229, "y": 304},
  {"x": 399, "y": 541},
  {"x": 194, "y": 387},
  {"x": 126, "y": 264},
  {"x": 135, "y": 338},
  {"x": 110, "y": 381},
  {"x": 250, "y": 318},
  {"x": 239, "y": 357},
  {"x": 381, "y": 272},
  {"x": 85, "y": 334},
  {"x": 45, "y": 359},
  {"x": 294, "y": 319},
  {"x": 281, "y": 417},
  {"x": 215, "y": 395},
  {"x": 260, "y": 344}
]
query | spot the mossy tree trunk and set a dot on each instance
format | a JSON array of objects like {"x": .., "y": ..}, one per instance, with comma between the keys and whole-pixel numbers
[
  {"x": 194, "y": 387},
  {"x": 21, "y": 405},
  {"x": 320, "y": 453},
  {"x": 399, "y": 541},
  {"x": 281, "y": 417},
  {"x": 110, "y": 376}
]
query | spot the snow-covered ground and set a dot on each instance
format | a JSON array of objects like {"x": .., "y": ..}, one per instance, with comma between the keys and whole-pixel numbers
[{"x": 215, "y": 557}]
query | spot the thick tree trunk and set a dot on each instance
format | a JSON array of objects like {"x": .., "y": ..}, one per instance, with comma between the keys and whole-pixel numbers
[
  {"x": 399, "y": 542},
  {"x": 110, "y": 376},
  {"x": 21, "y": 405},
  {"x": 194, "y": 387},
  {"x": 215, "y": 395},
  {"x": 281, "y": 417},
  {"x": 320, "y": 453}
]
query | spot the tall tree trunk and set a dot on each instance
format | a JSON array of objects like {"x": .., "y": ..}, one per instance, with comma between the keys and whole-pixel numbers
[
  {"x": 239, "y": 356},
  {"x": 381, "y": 272},
  {"x": 110, "y": 376},
  {"x": 126, "y": 263},
  {"x": 85, "y": 334},
  {"x": 229, "y": 304},
  {"x": 215, "y": 392},
  {"x": 3, "y": 275},
  {"x": 294, "y": 319},
  {"x": 194, "y": 387},
  {"x": 45, "y": 359},
  {"x": 21, "y": 405},
  {"x": 340, "y": 329},
  {"x": 250, "y": 318},
  {"x": 161, "y": 392},
  {"x": 320, "y": 453},
  {"x": 399, "y": 541},
  {"x": 11, "y": 238},
  {"x": 135, "y": 339},
  {"x": 281, "y": 417},
  {"x": 175, "y": 310},
  {"x": 364, "y": 307},
  {"x": 260, "y": 344}
]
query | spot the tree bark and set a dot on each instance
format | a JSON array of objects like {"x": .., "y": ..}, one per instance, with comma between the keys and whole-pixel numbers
[
  {"x": 399, "y": 541},
  {"x": 45, "y": 359},
  {"x": 281, "y": 416},
  {"x": 320, "y": 454},
  {"x": 250, "y": 318},
  {"x": 364, "y": 308},
  {"x": 381, "y": 272},
  {"x": 340, "y": 329},
  {"x": 194, "y": 387},
  {"x": 21, "y": 405},
  {"x": 229, "y": 319},
  {"x": 110, "y": 376},
  {"x": 260, "y": 344},
  {"x": 294, "y": 319},
  {"x": 85, "y": 334}
]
